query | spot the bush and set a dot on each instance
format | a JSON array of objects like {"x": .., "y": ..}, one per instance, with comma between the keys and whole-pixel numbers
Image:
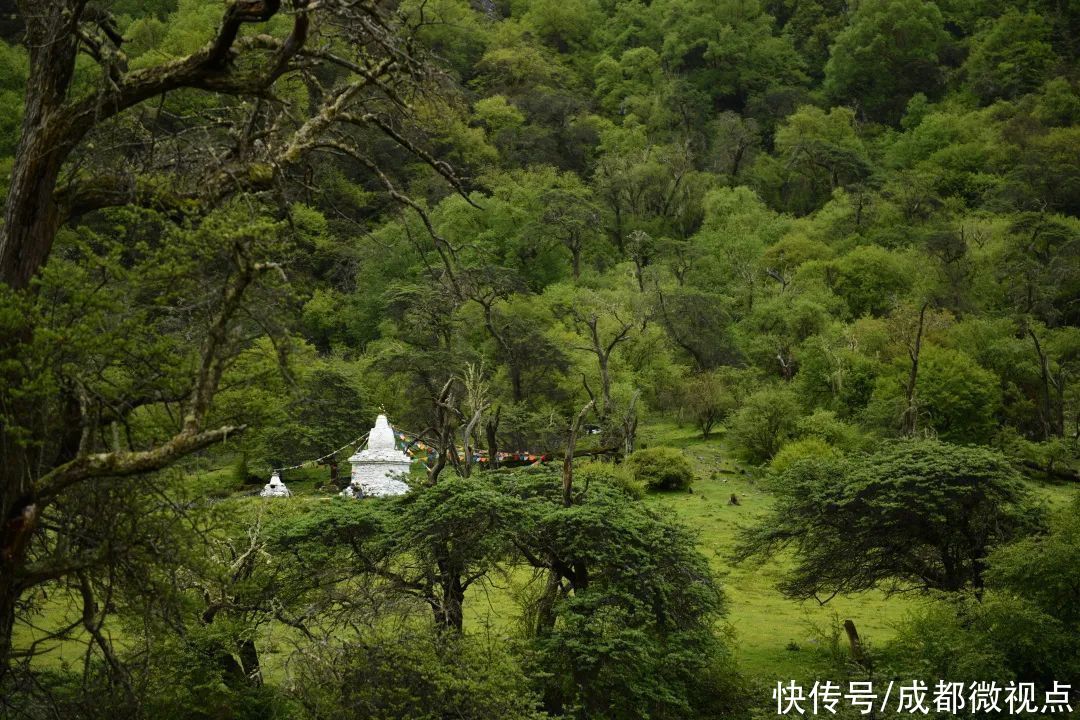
[
  {"x": 764, "y": 423},
  {"x": 617, "y": 476},
  {"x": 825, "y": 426},
  {"x": 661, "y": 468},
  {"x": 792, "y": 452}
]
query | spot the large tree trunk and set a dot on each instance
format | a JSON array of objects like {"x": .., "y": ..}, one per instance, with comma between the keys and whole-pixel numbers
[
  {"x": 568, "y": 458},
  {"x": 20, "y": 521},
  {"x": 449, "y": 608},
  {"x": 31, "y": 219},
  {"x": 249, "y": 661},
  {"x": 8, "y": 597},
  {"x": 31, "y": 216}
]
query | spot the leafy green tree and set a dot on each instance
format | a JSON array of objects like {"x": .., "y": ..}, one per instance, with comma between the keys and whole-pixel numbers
[
  {"x": 834, "y": 371},
  {"x": 624, "y": 623},
  {"x": 735, "y": 143},
  {"x": 458, "y": 676},
  {"x": 564, "y": 25},
  {"x": 728, "y": 50},
  {"x": 823, "y": 151},
  {"x": 597, "y": 323},
  {"x": 1052, "y": 171},
  {"x": 871, "y": 279},
  {"x": 709, "y": 401},
  {"x": 953, "y": 395},
  {"x": 1038, "y": 268},
  {"x": 763, "y": 423},
  {"x": 915, "y": 515},
  {"x": 628, "y": 85},
  {"x": 726, "y": 253},
  {"x": 813, "y": 27},
  {"x": 772, "y": 332},
  {"x": 88, "y": 143},
  {"x": 1023, "y": 628},
  {"x": 699, "y": 322},
  {"x": 453, "y": 534},
  {"x": 1058, "y": 104},
  {"x": 1010, "y": 57},
  {"x": 888, "y": 52}
]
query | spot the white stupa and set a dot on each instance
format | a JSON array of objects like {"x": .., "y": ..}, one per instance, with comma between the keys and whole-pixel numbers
[
  {"x": 379, "y": 468},
  {"x": 275, "y": 488}
]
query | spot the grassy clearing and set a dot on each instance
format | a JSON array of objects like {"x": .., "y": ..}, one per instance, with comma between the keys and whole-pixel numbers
[{"x": 775, "y": 638}]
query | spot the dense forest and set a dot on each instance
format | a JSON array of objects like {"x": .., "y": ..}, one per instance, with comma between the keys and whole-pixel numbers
[{"x": 698, "y": 317}]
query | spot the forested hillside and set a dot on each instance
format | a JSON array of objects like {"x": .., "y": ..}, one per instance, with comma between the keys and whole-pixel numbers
[{"x": 599, "y": 262}]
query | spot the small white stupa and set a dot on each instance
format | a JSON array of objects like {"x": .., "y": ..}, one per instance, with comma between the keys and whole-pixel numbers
[
  {"x": 379, "y": 468},
  {"x": 275, "y": 488}
]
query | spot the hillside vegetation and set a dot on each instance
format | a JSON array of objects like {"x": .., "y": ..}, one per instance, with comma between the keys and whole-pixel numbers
[{"x": 710, "y": 325}]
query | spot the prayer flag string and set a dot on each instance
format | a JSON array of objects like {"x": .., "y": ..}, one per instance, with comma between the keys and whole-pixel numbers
[
  {"x": 411, "y": 446},
  {"x": 478, "y": 455},
  {"x": 316, "y": 461}
]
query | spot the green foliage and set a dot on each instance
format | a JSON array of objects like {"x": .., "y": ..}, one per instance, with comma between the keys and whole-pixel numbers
[
  {"x": 871, "y": 279},
  {"x": 954, "y": 396},
  {"x": 764, "y": 422},
  {"x": 711, "y": 211},
  {"x": 826, "y": 426},
  {"x": 14, "y": 70},
  {"x": 1058, "y": 104},
  {"x": 824, "y": 151},
  {"x": 462, "y": 676},
  {"x": 1044, "y": 569},
  {"x": 798, "y": 450},
  {"x": 1023, "y": 628},
  {"x": 620, "y": 477},
  {"x": 635, "y": 636},
  {"x": 915, "y": 515},
  {"x": 888, "y": 51},
  {"x": 1010, "y": 57},
  {"x": 661, "y": 468},
  {"x": 709, "y": 400}
]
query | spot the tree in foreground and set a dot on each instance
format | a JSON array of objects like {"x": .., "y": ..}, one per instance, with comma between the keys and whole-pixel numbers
[
  {"x": 1026, "y": 627},
  {"x": 234, "y": 113},
  {"x": 912, "y": 516}
]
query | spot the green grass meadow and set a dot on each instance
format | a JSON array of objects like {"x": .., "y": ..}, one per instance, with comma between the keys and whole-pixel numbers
[{"x": 774, "y": 638}]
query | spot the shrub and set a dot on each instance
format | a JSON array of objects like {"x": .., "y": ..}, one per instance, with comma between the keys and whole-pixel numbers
[
  {"x": 792, "y": 452},
  {"x": 825, "y": 426},
  {"x": 661, "y": 468},
  {"x": 764, "y": 423},
  {"x": 617, "y": 476}
]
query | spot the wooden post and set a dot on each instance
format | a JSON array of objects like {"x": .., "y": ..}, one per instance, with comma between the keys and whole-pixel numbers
[{"x": 857, "y": 651}]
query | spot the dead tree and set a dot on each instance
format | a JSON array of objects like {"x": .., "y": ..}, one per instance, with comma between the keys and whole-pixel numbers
[
  {"x": 491, "y": 430},
  {"x": 909, "y": 419},
  {"x": 443, "y": 430},
  {"x": 1051, "y": 393},
  {"x": 568, "y": 458}
]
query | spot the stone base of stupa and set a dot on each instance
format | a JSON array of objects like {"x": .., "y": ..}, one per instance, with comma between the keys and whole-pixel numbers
[{"x": 377, "y": 479}]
